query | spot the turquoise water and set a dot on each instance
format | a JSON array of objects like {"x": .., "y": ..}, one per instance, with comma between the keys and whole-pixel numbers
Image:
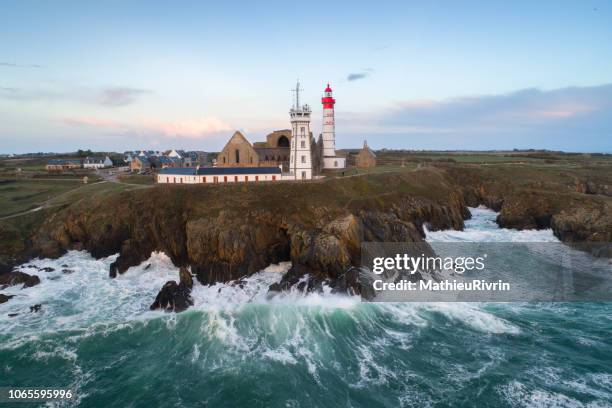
[{"x": 237, "y": 347}]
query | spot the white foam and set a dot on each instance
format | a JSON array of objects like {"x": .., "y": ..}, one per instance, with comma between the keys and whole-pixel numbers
[
  {"x": 85, "y": 299},
  {"x": 482, "y": 228},
  {"x": 518, "y": 394},
  {"x": 471, "y": 315}
]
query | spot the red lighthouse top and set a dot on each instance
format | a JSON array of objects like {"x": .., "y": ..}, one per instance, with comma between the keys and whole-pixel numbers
[{"x": 328, "y": 101}]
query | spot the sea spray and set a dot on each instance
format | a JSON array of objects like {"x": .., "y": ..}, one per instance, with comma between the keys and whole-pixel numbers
[{"x": 240, "y": 345}]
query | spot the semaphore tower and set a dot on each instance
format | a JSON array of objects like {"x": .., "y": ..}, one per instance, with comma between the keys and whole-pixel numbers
[{"x": 300, "y": 161}]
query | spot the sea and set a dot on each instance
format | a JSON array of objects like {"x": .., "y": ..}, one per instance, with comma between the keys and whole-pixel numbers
[{"x": 239, "y": 347}]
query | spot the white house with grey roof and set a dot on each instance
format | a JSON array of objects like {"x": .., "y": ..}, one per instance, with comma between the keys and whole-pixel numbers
[{"x": 97, "y": 162}]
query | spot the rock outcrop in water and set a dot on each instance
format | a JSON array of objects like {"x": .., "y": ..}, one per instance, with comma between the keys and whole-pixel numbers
[
  {"x": 175, "y": 297},
  {"x": 18, "y": 278}
]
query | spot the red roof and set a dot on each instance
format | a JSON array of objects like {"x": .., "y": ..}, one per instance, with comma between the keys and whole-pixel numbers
[{"x": 328, "y": 89}]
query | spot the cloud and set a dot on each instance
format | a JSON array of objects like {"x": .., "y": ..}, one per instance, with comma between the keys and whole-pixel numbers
[
  {"x": 359, "y": 75},
  {"x": 529, "y": 117},
  {"x": 356, "y": 76},
  {"x": 13, "y": 65},
  {"x": 527, "y": 107},
  {"x": 189, "y": 128},
  {"x": 120, "y": 96},
  {"x": 112, "y": 97}
]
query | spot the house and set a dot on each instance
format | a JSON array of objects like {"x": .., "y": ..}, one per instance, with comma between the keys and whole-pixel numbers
[
  {"x": 128, "y": 156},
  {"x": 164, "y": 162},
  {"x": 140, "y": 164},
  {"x": 198, "y": 157},
  {"x": 62, "y": 164},
  {"x": 97, "y": 162},
  {"x": 176, "y": 153},
  {"x": 189, "y": 159},
  {"x": 366, "y": 157},
  {"x": 149, "y": 153}
]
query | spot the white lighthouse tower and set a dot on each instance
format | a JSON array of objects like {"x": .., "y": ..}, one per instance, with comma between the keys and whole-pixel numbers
[
  {"x": 300, "y": 160},
  {"x": 330, "y": 160}
]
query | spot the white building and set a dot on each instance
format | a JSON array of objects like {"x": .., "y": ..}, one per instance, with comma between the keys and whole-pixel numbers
[
  {"x": 97, "y": 162},
  {"x": 330, "y": 159},
  {"x": 300, "y": 158},
  {"x": 218, "y": 175}
]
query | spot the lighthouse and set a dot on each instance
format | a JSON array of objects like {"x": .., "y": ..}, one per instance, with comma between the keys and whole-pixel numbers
[
  {"x": 330, "y": 160},
  {"x": 300, "y": 158}
]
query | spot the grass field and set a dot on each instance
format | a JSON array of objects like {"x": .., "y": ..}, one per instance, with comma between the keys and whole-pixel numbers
[
  {"x": 32, "y": 187},
  {"x": 17, "y": 196},
  {"x": 389, "y": 157},
  {"x": 22, "y": 195},
  {"x": 352, "y": 171},
  {"x": 26, "y": 164}
]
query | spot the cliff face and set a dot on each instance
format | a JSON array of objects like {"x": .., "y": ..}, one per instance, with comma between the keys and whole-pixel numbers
[
  {"x": 226, "y": 232},
  {"x": 577, "y": 209}
]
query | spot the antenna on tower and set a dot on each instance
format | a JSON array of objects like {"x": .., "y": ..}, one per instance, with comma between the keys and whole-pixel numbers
[{"x": 297, "y": 94}]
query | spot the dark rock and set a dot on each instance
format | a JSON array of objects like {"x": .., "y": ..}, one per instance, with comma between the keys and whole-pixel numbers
[
  {"x": 5, "y": 298},
  {"x": 239, "y": 282},
  {"x": 348, "y": 282},
  {"x": 13, "y": 314},
  {"x": 185, "y": 278},
  {"x": 46, "y": 269},
  {"x": 147, "y": 267},
  {"x": 36, "y": 308},
  {"x": 67, "y": 271},
  {"x": 132, "y": 253},
  {"x": 173, "y": 297},
  {"x": 18, "y": 278}
]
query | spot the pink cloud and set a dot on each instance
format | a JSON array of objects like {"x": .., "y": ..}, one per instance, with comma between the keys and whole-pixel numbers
[{"x": 192, "y": 128}]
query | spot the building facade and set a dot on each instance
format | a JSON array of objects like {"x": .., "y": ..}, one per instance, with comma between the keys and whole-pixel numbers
[
  {"x": 62, "y": 164},
  {"x": 238, "y": 152},
  {"x": 366, "y": 157},
  {"x": 218, "y": 175}
]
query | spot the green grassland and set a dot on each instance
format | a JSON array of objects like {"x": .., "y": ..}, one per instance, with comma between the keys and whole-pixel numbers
[
  {"x": 21, "y": 195},
  {"x": 395, "y": 157},
  {"x": 32, "y": 187}
]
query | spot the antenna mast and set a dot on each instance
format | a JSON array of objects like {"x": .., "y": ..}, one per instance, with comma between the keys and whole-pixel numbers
[{"x": 297, "y": 94}]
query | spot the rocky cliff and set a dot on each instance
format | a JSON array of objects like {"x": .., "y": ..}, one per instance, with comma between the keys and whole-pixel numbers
[
  {"x": 229, "y": 231},
  {"x": 577, "y": 206},
  {"x": 226, "y": 232}
]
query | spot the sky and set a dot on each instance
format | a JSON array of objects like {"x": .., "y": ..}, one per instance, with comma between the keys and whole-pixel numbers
[{"x": 125, "y": 75}]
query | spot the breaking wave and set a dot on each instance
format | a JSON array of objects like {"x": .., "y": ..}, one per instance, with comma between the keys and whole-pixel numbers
[{"x": 240, "y": 346}]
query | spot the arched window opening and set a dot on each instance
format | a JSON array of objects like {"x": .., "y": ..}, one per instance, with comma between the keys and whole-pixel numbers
[{"x": 282, "y": 142}]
